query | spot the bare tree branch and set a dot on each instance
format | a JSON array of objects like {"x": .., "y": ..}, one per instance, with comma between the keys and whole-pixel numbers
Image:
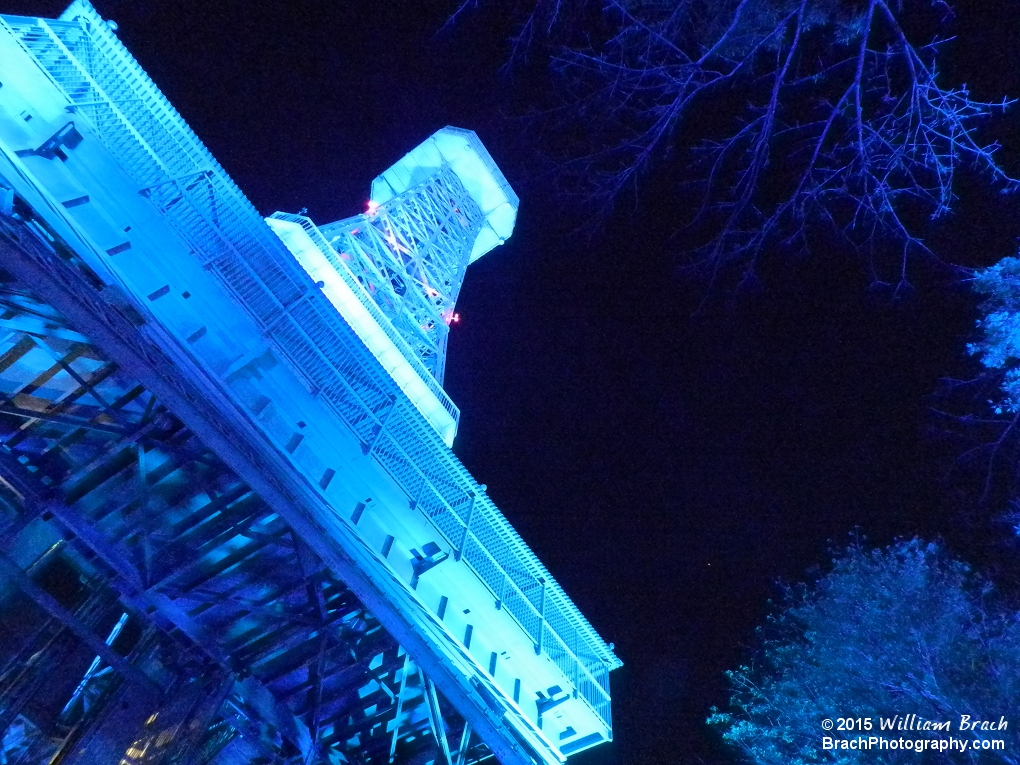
[{"x": 870, "y": 139}]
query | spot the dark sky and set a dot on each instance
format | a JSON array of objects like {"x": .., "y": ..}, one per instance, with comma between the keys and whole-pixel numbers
[{"x": 667, "y": 464}]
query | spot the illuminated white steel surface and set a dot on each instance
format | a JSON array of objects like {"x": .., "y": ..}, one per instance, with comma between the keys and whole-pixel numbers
[
  {"x": 141, "y": 167},
  {"x": 461, "y": 152},
  {"x": 349, "y": 297},
  {"x": 439, "y": 208}
]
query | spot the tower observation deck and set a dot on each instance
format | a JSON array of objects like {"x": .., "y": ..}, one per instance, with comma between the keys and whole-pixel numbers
[
  {"x": 232, "y": 529},
  {"x": 441, "y": 207}
]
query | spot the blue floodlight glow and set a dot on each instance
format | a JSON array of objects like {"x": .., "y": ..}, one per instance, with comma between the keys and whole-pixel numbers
[
  {"x": 394, "y": 272},
  {"x": 301, "y": 370},
  {"x": 372, "y": 334},
  {"x": 461, "y": 151}
]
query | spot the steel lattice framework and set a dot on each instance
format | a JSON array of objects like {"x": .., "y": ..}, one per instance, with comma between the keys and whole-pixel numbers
[
  {"x": 227, "y": 484},
  {"x": 117, "y": 508},
  {"x": 411, "y": 253},
  {"x": 214, "y": 217}
]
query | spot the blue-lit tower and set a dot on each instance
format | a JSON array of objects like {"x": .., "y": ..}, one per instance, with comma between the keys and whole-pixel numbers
[
  {"x": 394, "y": 272},
  {"x": 432, "y": 213},
  {"x": 232, "y": 529}
]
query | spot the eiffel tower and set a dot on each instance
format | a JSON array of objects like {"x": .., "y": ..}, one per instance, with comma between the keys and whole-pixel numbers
[{"x": 232, "y": 529}]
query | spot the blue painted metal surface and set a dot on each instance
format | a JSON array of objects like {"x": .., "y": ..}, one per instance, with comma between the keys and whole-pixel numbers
[
  {"x": 441, "y": 207},
  {"x": 323, "y": 395}
]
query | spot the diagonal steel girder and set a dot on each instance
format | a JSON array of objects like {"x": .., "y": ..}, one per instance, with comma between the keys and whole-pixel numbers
[
  {"x": 134, "y": 595},
  {"x": 205, "y": 409}
]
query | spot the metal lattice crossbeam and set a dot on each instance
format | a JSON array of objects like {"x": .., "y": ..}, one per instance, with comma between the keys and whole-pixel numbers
[
  {"x": 410, "y": 253},
  {"x": 169, "y": 526},
  {"x": 117, "y": 458}
]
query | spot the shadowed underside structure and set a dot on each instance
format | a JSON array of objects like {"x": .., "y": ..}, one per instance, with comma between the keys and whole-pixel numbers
[
  {"x": 232, "y": 528},
  {"x": 114, "y": 508}
]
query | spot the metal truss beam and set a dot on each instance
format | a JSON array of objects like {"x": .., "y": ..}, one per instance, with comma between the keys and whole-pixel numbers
[
  {"x": 303, "y": 647},
  {"x": 61, "y": 419},
  {"x": 435, "y": 716},
  {"x": 134, "y": 594},
  {"x": 48, "y": 603},
  {"x": 202, "y": 407}
]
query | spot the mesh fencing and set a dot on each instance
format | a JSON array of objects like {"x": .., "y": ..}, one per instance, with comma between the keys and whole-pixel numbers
[{"x": 227, "y": 235}]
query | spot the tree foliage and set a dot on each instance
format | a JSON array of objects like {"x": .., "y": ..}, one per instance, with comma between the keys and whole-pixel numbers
[
  {"x": 904, "y": 630},
  {"x": 982, "y": 414},
  {"x": 803, "y": 110},
  {"x": 999, "y": 344}
]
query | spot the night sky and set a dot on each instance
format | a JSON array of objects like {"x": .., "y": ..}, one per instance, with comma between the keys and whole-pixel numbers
[{"x": 669, "y": 453}]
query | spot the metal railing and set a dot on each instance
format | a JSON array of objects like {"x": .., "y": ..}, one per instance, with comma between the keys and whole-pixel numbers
[
  {"x": 186, "y": 184},
  {"x": 412, "y": 251},
  {"x": 366, "y": 300}
]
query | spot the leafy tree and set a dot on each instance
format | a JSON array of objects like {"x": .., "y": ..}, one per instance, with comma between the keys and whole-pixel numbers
[
  {"x": 901, "y": 630},
  {"x": 802, "y": 110},
  {"x": 999, "y": 345},
  {"x": 982, "y": 414}
]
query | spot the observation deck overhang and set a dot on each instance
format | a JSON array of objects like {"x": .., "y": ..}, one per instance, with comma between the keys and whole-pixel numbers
[{"x": 160, "y": 259}]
